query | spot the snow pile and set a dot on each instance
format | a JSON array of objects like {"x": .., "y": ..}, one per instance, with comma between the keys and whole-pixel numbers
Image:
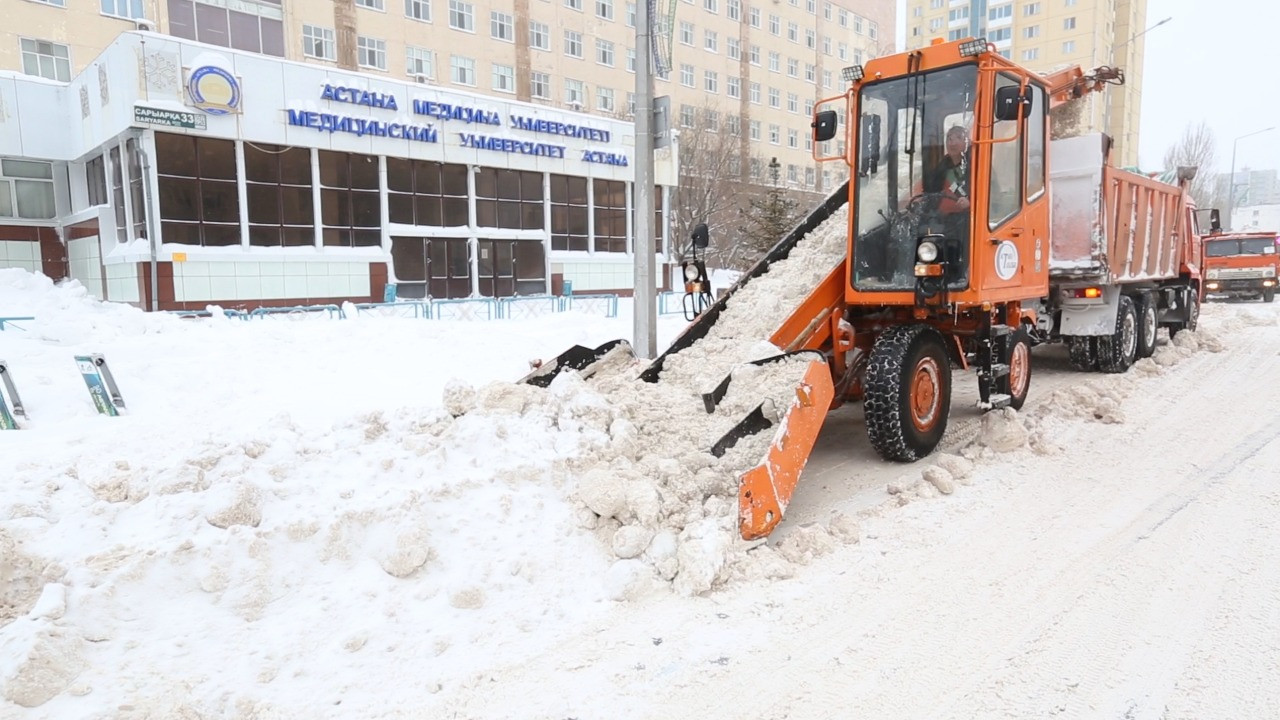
[{"x": 68, "y": 313}]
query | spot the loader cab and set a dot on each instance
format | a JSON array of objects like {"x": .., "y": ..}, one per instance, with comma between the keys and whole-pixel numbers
[{"x": 947, "y": 152}]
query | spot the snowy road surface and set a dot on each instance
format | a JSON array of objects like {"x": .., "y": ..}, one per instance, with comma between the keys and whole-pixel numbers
[{"x": 285, "y": 525}]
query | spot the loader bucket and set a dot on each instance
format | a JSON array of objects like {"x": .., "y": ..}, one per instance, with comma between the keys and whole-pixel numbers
[
  {"x": 578, "y": 358},
  {"x": 765, "y": 490}
]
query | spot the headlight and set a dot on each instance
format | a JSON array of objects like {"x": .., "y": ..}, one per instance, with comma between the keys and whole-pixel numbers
[
  {"x": 1213, "y": 275},
  {"x": 690, "y": 272},
  {"x": 1269, "y": 272},
  {"x": 927, "y": 252}
]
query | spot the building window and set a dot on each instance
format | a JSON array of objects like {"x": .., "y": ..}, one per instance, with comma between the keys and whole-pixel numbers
[
  {"x": 793, "y": 32},
  {"x": 462, "y": 70},
  {"x": 26, "y": 189},
  {"x": 418, "y": 10},
  {"x": 1069, "y": 24},
  {"x": 686, "y": 75},
  {"x": 117, "y": 195},
  {"x": 775, "y": 134},
  {"x": 775, "y": 25},
  {"x": 733, "y": 48},
  {"x": 753, "y": 17},
  {"x": 733, "y": 86},
  {"x": 793, "y": 102},
  {"x": 255, "y": 26},
  {"x": 710, "y": 41},
  {"x": 775, "y": 98},
  {"x": 540, "y": 85},
  {"x": 1031, "y": 54},
  {"x": 349, "y": 206},
  {"x": 575, "y": 94},
  {"x": 754, "y": 56},
  {"x": 539, "y": 36},
  {"x": 604, "y": 9},
  {"x": 137, "y": 196},
  {"x": 278, "y": 187},
  {"x": 827, "y": 81},
  {"x": 733, "y": 125},
  {"x": 711, "y": 81},
  {"x": 631, "y": 104},
  {"x": 956, "y": 34},
  {"x": 502, "y": 26},
  {"x": 511, "y": 267},
  {"x": 371, "y": 53},
  {"x": 754, "y": 130},
  {"x": 810, "y": 72},
  {"x": 421, "y": 192},
  {"x": 686, "y": 33},
  {"x": 462, "y": 16},
  {"x": 199, "y": 203},
  {"x": 128, "y": 9},
  {"x": 711, "y": 6},
  {"x": 1031, "y": 9},
  {"x": 569, "y": 213},
  {"x": 1069, "y": 47},
  {"x": 935, "y": 25},
  {"x": 753, "y": 93},
  {"x": 504, "y": 78},
  {"x": 573, "y": 43},
  {"x": 604, "y": 99},
  {"x": 1000, "y": 13},
  {"x": 686, "y": 116},
  {"x": 318, "y": 42},
  {"x": 631, "y": 14},
  {"x": 1000, "y": 34},
  {"x": 610, "y": 216},
  {"x": 793, "y": 67},
  {"x": 811, "y": 39},
  {"x": 95, "y": 179},
  {"x": 604, "y": 52},
  {"x": 793, "y": 138},
  {"x": 371, "y": 4},
  {"x": 55, "y": 3},
  {"x": 573, "y": 4},
  {"x": 957, "y": 14},
  {"x": 775, "y": 62},
  {"x": 420, "y": 62},
  {"x": 46, "y": 59},
  {"x": 1031, "y": 32},
  {"x": 733, "y": 8}
]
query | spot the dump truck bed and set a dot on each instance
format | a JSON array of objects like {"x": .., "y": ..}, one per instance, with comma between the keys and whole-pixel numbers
[{"x": 1109, "y": 225}]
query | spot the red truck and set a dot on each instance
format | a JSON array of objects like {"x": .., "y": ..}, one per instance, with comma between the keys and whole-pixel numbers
[{"x": 1241, "y": 264}]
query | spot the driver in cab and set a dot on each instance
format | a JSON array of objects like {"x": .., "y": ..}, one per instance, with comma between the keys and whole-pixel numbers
[{"x": 950, "y": 178}]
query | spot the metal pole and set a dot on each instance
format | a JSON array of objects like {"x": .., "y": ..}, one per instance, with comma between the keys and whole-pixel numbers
[
  {"x": 645, "y": 342},
  {"x": 1231, "y": 181}
]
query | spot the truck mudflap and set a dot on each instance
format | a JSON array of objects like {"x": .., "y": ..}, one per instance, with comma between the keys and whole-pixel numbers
[
  {"x": 578, "y": 357},
  {"x": 765, "y": 490}
]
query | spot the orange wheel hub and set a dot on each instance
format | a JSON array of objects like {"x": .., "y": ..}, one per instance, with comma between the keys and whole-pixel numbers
[{"x": 925, "y": 394}]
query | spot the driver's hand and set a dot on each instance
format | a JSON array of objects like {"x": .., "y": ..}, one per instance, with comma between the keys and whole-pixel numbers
[{"x": 962, "y": 203}]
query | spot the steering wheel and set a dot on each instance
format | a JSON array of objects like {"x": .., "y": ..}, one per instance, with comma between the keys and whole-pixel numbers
[{"x": 923, "y": 202}]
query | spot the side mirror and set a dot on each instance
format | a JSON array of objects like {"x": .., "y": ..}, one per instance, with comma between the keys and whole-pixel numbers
[
  {"x": 701, "y": 237},
  {"x": 1215, "y": 220},
  {"x": 824, "y": 125},
  {"x": 1009, "y": 99}
]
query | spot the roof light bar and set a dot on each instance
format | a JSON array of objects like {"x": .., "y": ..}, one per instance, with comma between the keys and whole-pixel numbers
[
  {"x": 973, "y": 47},
  {"x": 852, "y": 74}
]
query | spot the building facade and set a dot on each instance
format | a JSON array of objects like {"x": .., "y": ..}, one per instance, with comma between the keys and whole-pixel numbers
[
  {"x": 1046, "y": 35},
  {"x": 759, "y": 66},
  {"x": 176, "y": 174}
]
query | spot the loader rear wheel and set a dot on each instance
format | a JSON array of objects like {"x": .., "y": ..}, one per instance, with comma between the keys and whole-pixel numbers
[
  {"x": 1117, "y": 351},
  {"x": 1082, "y": 351},
  {"x": 1148, "y": 325},
  {"x": 907, "y": 395},
  {"x": 1018, "y": 382}
]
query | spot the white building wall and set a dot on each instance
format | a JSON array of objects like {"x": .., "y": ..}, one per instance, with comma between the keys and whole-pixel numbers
[
  {"x": 84, "y": 258},
  {"x": 1256, "y": 217},
  {"x": 18, "y": 254}
]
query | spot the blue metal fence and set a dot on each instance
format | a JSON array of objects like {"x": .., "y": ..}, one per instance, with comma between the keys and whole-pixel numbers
[{"x": 507, "y": 308}]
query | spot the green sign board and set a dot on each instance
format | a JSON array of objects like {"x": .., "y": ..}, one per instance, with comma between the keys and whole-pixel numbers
[{"x": 169, "y": 118}]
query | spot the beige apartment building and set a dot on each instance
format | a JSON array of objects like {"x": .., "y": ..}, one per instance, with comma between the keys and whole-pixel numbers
[
  {"x": 1046, "y": 35},
  {"x": 760, "y": 65}
]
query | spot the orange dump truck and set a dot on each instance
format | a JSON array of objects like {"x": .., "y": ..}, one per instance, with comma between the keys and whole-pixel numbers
[
  {"x": 1241, "y": 265},
  {"x": 1124, "y": 257}
]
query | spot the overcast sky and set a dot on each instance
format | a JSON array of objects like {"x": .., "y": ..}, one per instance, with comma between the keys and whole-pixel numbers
[{"x": 1217, "y": 61}]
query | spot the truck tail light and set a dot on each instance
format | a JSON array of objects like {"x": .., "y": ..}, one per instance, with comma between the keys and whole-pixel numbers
[{"x": 1090, "y": 293}]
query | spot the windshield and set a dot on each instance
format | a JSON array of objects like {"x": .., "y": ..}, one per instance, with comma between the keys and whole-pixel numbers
[
  {"x": 912, "y": 174},
  {"x": 1250, "y": 246}
]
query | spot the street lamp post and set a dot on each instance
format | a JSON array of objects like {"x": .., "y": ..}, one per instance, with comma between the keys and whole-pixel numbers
[{"x": 1231, "y": 180}]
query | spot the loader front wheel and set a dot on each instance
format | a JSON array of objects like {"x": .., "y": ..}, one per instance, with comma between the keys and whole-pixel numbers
[{"x": 907, "y": 395}]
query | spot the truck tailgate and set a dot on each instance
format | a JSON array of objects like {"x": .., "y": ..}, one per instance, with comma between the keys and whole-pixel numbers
[{"x": 1109, "y": 225}]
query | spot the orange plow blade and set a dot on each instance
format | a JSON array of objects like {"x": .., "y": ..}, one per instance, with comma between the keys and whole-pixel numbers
[{"x": 765, "y": 490}]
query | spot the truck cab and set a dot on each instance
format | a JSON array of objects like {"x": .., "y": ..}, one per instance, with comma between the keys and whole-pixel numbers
[{"x": 1242, "y": 265}]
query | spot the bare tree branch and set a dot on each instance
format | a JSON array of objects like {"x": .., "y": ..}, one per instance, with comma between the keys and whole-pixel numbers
[{"x": 1196, "y": 148}]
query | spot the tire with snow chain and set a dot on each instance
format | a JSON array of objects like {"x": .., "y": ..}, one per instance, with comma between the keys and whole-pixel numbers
[
  {"x": 1018, "y": 382},
  {"x": 1148, "y": 325},
  {"x": 907, "y": 395},
  {"x": 1117, "y": 351},
  {"x": 1082, "y": 350}
]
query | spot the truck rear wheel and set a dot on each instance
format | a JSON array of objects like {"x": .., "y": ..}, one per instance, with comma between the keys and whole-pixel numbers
[
  {"x": 1148, "y": 325},
  {"x": 1082, "y": 350},
  {"x": 1018, "y": 382},
  {"x": 1117, "y": 351},
  {"x": 907, "y": 395}
]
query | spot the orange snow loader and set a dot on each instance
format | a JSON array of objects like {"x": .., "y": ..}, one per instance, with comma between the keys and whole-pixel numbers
[
  {"x": 949, "y": 259},
  {"x": 1241, "y": 264}
]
